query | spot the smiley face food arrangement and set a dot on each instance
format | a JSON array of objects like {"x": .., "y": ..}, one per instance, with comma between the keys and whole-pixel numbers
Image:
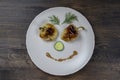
[{"x": 48, "y": 32}]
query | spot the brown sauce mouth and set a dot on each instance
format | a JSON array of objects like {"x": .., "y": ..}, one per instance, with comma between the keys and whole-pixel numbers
[{"x": 62, "y": 59}]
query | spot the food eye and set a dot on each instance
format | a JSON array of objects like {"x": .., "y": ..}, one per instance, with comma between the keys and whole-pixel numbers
[
  {"x": 48, "y": 32},
  {"x": 70, "y": 33}
]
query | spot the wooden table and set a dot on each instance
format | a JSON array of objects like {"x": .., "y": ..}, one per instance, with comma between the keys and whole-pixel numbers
[{"x": 15, "y": 17}]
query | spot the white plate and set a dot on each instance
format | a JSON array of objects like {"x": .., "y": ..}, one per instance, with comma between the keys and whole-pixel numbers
[{"x": 37, "y": 48}]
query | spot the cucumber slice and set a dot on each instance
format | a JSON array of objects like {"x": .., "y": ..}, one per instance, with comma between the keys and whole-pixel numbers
[{"x": 59, "y": 46}]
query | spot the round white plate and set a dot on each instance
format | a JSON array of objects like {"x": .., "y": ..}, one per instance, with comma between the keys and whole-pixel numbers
[{"x": 37, "y": 47}]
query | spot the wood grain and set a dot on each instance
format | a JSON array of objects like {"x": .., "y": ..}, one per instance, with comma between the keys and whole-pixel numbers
[{"x": 15, "y": 17}]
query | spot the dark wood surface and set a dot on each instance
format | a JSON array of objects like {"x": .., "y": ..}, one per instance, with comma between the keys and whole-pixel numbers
[{"x": 15, "y": 17}]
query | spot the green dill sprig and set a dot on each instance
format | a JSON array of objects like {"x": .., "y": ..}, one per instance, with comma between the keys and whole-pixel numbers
[
  {"x": 54, "y": 19},
  {"x": 69, "y": 18}
]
